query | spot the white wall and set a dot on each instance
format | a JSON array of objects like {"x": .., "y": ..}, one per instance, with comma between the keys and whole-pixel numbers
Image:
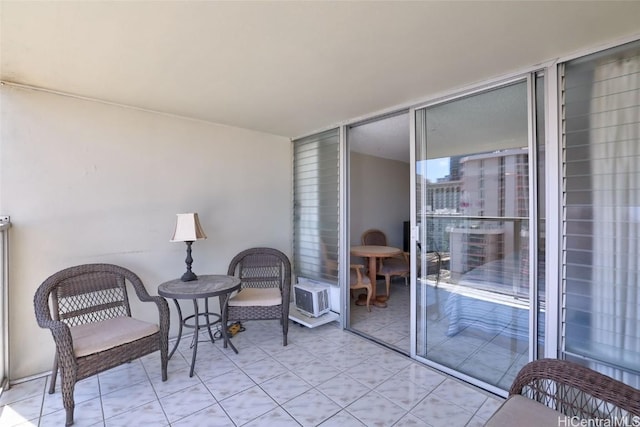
[
  {"x": 86, "y": 182},
  {"x": 379, "y": 197}
]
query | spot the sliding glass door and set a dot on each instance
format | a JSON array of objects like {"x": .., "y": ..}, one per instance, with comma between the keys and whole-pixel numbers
[{"x": 475, "y": 287}]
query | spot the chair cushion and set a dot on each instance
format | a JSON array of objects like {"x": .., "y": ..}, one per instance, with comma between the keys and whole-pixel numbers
[
  {"x": 94, "y": 337},
  {"x": 394, "y": 266},
  {"x": 256, "y": 297},
  {"x": 524, "y": 412}
]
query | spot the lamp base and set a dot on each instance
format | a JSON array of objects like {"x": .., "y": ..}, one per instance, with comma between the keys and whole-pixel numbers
[{"x": 189, "y": 276}]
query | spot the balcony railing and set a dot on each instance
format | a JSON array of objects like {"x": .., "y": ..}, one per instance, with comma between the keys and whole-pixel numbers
[{"x": 484, "y": 253}]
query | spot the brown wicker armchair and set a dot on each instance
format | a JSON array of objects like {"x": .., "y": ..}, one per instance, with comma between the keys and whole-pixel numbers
[
  {"x": 266, "y": 287},
  {"x": 572, "y": 390},
  {"x": 86, "y": 307}
]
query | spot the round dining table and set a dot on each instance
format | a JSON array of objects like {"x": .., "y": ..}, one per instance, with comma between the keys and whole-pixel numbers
[{"x": 373, "y": 253}]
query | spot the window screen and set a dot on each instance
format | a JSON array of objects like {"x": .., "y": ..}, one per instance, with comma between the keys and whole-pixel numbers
[
  {"x": 316, "y": 204},
  {"x": 601, "y": 210}
]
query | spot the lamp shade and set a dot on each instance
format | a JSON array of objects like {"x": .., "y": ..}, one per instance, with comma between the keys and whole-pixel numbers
[{"x": 188, "y": 228}]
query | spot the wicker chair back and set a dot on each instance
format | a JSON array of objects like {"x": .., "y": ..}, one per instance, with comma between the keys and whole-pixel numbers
[
  {"x": 91, "y": 297},
  {"x": 577, "y": 391},
  {"x": 263, "y": 268}
]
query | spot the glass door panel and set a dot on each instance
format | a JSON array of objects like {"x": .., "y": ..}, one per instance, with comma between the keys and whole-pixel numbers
[
  {"x": 379, "y": 181},
  {"x": 473, "y": 217}
]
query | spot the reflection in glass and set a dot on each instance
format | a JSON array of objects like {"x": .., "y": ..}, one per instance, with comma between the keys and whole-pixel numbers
[{"x": 472, "y": 181}]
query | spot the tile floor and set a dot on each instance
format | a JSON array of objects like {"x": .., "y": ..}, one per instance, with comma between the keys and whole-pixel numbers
[
  {"x": 493, "y": 357},
  {"x": 325, "y": 376},
  {"x": 390, "y": 325}
]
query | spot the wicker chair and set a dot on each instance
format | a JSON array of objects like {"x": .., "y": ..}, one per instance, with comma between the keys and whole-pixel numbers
[
  {"x": 90, "y": 320},
  {"x": 570, "y": 389},
  {"x": 388, "y": 267},
  {"x": 266, "y": 287}
]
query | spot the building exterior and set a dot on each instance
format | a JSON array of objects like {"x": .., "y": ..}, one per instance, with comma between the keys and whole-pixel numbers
[{"x": 494, "y": 188}]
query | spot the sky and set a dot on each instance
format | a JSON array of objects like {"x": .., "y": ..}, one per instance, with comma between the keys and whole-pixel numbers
[{"x": 435, "y": 168}]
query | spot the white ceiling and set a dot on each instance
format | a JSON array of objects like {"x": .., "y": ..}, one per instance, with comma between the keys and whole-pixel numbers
[
  {"x": 486, "y": 121},
  {"x": 289, "y": 68},
  {"x": 387, "y": 137}
]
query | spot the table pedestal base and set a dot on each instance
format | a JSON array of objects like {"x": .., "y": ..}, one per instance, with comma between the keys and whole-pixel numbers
[{"x": 379, "y": 301}]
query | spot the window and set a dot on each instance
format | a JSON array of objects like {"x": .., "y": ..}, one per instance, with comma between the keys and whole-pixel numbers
[
  {"x": 601, "y": 211},
  {"x": 316, "y": 201}
]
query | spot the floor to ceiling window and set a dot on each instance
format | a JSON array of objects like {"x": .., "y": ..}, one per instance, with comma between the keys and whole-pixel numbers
[
  {"x": 601, "y": 211},
  {"x": 475, "y": 295}
]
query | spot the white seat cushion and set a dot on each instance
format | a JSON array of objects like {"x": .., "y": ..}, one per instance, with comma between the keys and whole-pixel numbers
[
  {"x": 394, "y": 266},
  {"x": 92, "y": 338},
  {"x": 263, "y": 297},
  {"x": 524, "y": 412}
]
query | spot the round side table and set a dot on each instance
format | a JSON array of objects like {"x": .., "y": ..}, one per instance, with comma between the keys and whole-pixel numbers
[{"x": 205, "y": 287}]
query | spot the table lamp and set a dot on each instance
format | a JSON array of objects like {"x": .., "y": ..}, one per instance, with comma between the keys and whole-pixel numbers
[{"x": 188, "y": 230}]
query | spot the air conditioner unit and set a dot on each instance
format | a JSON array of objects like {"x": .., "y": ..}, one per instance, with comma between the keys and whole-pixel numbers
[{"x": 311, "y": 299}]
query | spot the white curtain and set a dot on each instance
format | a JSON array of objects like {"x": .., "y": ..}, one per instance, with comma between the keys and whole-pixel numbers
[{"x": 615, "y": 162}]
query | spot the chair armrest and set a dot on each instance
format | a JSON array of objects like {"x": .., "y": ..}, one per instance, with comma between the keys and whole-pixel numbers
[
  {"x": 163, "y": 314},
  {"x": 60, "y": 331},
  {"x": 556, "y": 383},
  {"x": 62, "y": 338},
  {"x": 138, "y": 286},
  {"x": 358, "y": 268}
]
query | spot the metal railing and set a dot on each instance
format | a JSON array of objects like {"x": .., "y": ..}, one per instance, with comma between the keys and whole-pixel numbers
[{"x": 478, "y": 249}]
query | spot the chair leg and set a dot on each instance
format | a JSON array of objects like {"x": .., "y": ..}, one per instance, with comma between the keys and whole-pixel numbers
[
  {"x": 68, "y": 383},
  {"x": 69, "y": 420},
  {"x": 164, "y": 356},
  {"x": 54, "y": 375},
  {"x": 285, "y": 330},
  {"x": 387, "y": 279},
  {"x": 164, "y": 360},
  {"x": 369, "y": 291}
]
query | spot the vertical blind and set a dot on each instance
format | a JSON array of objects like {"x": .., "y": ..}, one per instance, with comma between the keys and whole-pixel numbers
[
  {"x": 601, "y": 210},
  {"x": 316, "y": 205}
]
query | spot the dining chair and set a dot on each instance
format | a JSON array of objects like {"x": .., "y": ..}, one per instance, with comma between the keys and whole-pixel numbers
[
  {"x": 265, "y": 274},
  {"x": 87, "y": 309},
  {"x": 388, "y": 267},
  {"x": 374, "y": 237},
  {"x": 358, "y": 280}
]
